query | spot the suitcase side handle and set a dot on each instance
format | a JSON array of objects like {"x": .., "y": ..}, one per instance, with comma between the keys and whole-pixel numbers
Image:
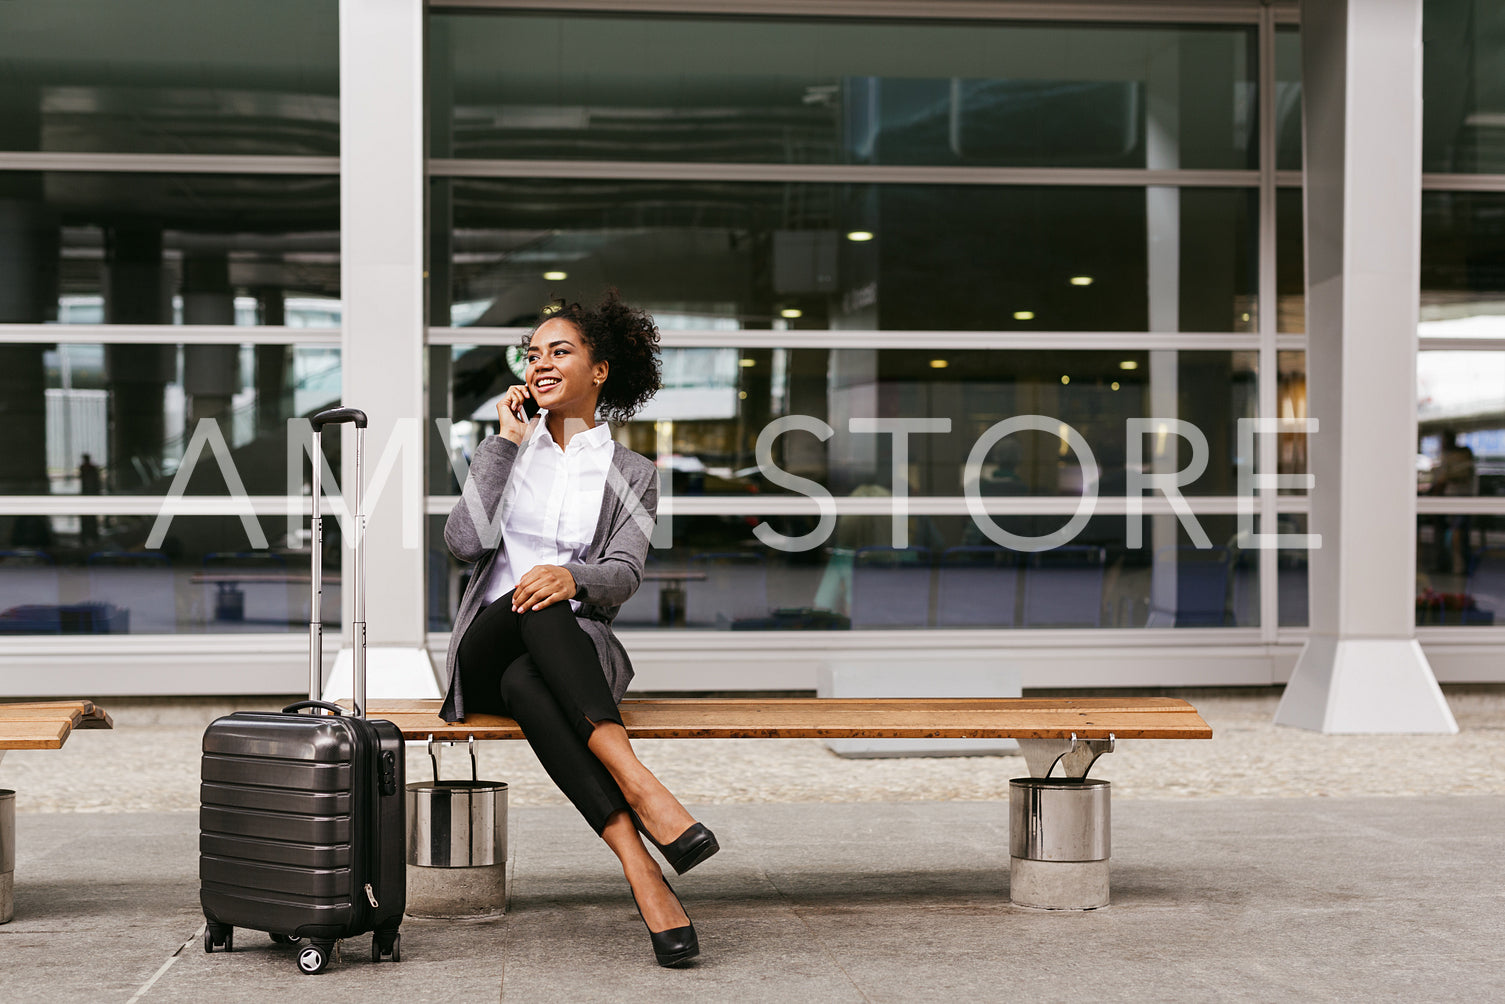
[
  {"x": 338, "y": 416},
  {"x": 333, "y": 709}
]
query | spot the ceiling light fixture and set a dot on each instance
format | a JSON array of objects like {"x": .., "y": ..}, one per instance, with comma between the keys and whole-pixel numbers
[
  {"x": 938, "y": 364},
  {"x": 747, "y": 362},
  {"x": 556, "y": 276},
  {"x": 1065, "y": 379},
  {"x": 1081, "y": 280},
  {"x": 1024, "y": 315},
  {"x": 791, "y": 313},
  {"x": 1128, "y": 364},
  {"x": 859, "y": 235}
]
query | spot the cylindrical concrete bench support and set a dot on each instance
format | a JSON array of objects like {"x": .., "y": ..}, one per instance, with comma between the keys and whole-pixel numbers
[
  {"x": 7, "y": 855},
  {"x": 1058, "y": 843},
  {"x": 457, "y": 847}
]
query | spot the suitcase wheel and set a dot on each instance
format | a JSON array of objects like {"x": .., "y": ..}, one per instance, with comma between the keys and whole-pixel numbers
[
  {"x": 391, "y": 949},
  {"x": 219, "y": 936},
  {"x": 315, "y": 957}
]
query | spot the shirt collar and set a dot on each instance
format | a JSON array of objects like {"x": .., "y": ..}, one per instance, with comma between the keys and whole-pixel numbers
[{"x": 595, "y": 438}]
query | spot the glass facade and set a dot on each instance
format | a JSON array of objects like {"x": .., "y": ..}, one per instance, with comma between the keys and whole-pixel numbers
[
  {"x": 760, "y": 90},
  {"x": 161, "y": 248},
  {"x": 716, "y": 402},
  {"x": 162, "y": 202},
  {"x": 838, "y": 217},
  {"x": 719, "y": 575},
  {"x": 91, "y": 574},
  {"x": 130, "y": 412},
  {"x": 1463, "y": 131},
  {"x": 750, "y": 255},
  {"x": 230, "y": 77}
]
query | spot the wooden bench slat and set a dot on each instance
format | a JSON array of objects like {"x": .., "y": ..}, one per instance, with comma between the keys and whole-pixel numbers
[
  {"x": 34, "y": 735},
  {"x": 72, "y": 716},
  {"x": 1019, "y": 704},
  {"x": 891, "y": 718}
]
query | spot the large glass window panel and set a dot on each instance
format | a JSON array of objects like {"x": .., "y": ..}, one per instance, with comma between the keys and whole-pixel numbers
[
  {"x": 86, "y": 248},
  {"x": 716, "y": 403},
  {"x": 1463, "y": 264},
  {"x": 1292, "y": 448},
  {"x": 605, "y": 87},
  {"x": 92, "y": 419},
  {"x": 1463, "y": 87},
  {"x": 1460, "y": 569},
  {"x": 91, "y": 574},
  {"x": 1290, "y": 261},
  {"x": 171, "y": 76},
  {"x": 1287, "y": 99},
  {"x": 1460, "y": 406},
  {"x": 907, "y": 257},
  {"x": 719, "y": 576},
  {"x": 1292, "y": 570}
]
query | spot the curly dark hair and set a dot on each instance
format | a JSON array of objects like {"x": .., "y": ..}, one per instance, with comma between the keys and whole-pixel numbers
[{"x": 622, "y": 336}]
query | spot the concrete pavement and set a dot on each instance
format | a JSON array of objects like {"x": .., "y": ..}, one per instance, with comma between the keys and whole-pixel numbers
[{"x": 1215, "y": 898}]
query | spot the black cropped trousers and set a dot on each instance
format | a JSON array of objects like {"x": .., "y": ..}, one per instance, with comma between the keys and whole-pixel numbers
[{"x": 541, "y": 669}]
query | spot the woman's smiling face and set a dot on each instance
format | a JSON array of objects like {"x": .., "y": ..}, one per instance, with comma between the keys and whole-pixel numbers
[{"x": 561, "y": 375}]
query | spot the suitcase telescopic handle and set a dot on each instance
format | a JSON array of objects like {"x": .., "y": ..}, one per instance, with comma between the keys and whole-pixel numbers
[
  {"x": 293, "y": 709},
  {"x": 339, "y": 416}
]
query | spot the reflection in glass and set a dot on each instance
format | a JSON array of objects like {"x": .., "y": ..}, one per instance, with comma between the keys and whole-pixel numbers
[
  {"x": 1292, "y": 572},
  {"x": 809, "y": 91},
  {"x": 1290, "y": 262},
  {"x": 1291, "y": 404},
  {"x": 172, "y": 76},
  {"x": 86, "y": 574},
  {"x": 717, "y": 402},
  {"x": 756, "y": 255},
  {"x": 1460, "y": 569},
  {"x": 1463, "y": 87},
  {"x": 1462, "y": 276},
  {"x": 949, "y": 573},
  {"x": 80, "y": 248},
  {"x": 1287, "y": 99},
  {"x": 1460, "y": 404},
  {"x": 117, "y": 419}
]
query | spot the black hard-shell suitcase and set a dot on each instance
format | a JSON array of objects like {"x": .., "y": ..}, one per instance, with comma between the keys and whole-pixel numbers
[{"x": 302, "y": 816}]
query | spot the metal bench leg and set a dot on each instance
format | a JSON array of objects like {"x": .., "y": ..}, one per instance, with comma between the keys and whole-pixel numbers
[
  {"x": 7, "y": 855},
  {"x": 1060, "y": 828}
]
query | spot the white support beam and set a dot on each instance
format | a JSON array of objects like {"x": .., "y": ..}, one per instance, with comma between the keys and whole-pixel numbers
[
  {"x": 381, "y": 248},
  {"x": 1362, "y": 669}
]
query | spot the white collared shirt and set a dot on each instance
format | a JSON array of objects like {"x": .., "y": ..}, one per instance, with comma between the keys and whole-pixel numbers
[{"x": 551, "y": 504}]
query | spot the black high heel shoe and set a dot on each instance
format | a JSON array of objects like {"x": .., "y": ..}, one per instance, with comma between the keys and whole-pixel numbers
[
  {"x": 685, "y": 851},
  {"x": 675, "y": 945}
]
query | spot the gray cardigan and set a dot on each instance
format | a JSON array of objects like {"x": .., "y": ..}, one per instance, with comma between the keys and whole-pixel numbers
[{"x": 608, "y": 575}]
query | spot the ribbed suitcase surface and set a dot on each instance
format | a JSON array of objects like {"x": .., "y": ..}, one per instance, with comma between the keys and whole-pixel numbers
[{"x": 298, "y": 816}]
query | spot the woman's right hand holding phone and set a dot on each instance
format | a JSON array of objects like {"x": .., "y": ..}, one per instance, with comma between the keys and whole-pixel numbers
[{"x": 510, "y": 411}]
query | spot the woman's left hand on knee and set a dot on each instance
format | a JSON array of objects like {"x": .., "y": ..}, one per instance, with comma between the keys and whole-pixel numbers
[{"x": 542, "y": 586}]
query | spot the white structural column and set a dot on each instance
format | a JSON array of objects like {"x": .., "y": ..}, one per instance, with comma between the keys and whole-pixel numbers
[
  {"x": 1362, "y": 670},
  {"x": 381, "y": 248}
]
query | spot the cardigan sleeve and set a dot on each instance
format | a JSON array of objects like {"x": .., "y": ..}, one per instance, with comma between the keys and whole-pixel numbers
[
  {"x": 474, "y": 526},
  {"x": 609, "y": 580}
]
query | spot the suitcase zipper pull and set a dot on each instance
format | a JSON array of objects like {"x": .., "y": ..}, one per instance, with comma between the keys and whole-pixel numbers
[{"x": 371, "y": 896}]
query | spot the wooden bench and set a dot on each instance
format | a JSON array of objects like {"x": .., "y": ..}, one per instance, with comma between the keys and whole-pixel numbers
[
  {"x": 42, "y": 725},
  {"x": 46, "y": 725},
  {"x": 1058, "y": 825},
  {"x": 1048, "y": 730}
]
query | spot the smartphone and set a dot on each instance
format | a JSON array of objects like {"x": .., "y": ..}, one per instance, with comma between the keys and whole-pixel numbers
[{"x": 530, "y": 408}]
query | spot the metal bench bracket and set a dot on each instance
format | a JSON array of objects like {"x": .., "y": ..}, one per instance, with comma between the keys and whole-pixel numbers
[{"x": 1075, "y": 756}]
